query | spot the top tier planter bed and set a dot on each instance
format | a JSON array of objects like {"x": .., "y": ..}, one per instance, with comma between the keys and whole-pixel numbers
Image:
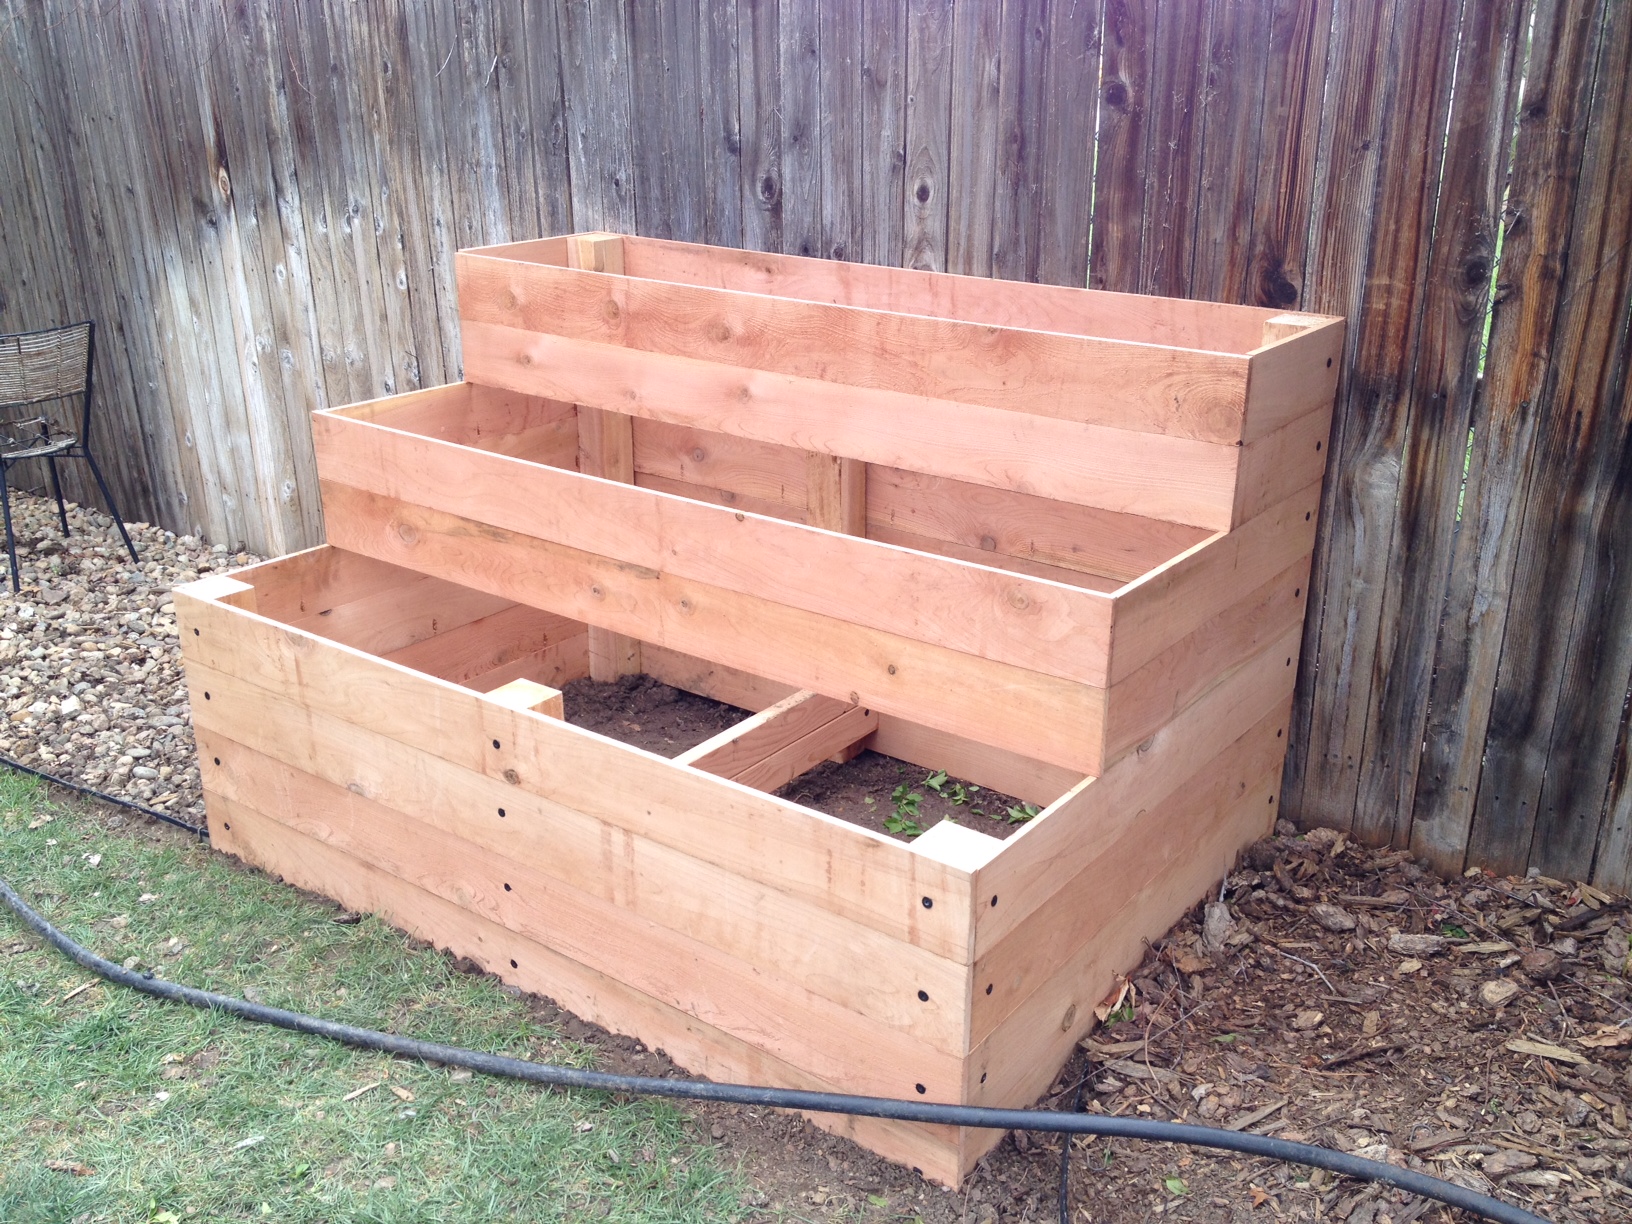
[{"x": 1053, "y": 541}]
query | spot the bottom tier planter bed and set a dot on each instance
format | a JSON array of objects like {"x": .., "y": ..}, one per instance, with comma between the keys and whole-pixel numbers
[{"x": 395, "y": 741}]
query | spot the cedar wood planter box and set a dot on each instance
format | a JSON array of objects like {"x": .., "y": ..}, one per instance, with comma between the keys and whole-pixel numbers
[{"x": 1053, "y": 541}]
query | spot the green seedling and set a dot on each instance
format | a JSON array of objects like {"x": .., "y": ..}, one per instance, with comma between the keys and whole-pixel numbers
[
  {"x": 905, "y": 817},
  {"x": 955, "y": 793},
  {"x": 1022, "y": 812}
]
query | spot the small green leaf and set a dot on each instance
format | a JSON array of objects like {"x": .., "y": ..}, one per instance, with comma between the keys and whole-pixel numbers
[
  {"x": 1451, "y": 931},
  {"x": 869, "y": 801},
  {"x": 878, "y": 1200},
  {"x": 1225, "y": 1038},
  {"x": 936, "y": 780},
  {"x": 1175, "y": 1185}
]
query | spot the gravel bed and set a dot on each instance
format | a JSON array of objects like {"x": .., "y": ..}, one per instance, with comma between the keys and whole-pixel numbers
[{"x": 90, "y": 659}]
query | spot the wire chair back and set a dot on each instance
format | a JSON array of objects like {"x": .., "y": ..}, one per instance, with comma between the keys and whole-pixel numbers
[{"x": 52, "y": 364}]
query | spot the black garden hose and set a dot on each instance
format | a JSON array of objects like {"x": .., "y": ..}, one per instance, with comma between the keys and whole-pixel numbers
[
  {"x": 1046, "y": 1121},
  {"x": 81, "y": 788}
]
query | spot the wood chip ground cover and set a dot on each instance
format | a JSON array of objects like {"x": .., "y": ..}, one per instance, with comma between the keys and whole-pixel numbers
[{"x": 1478, "y": 1028}]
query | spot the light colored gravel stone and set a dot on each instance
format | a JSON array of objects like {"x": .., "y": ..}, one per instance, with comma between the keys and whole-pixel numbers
[{"x": 90, "y": 664}]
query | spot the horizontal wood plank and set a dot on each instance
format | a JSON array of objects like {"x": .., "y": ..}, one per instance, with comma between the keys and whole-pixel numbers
[
  {"x": 1145, "y": 701},
  {"x": 1292, "y": 377},
  {"x": 1140, "y": 387},
  {"x": 1172, "y": 601},
  {"x": 973, "y": 761},
  {"x": 1021, "y": 1056},
  {"x": 1037, "y": 861},
  {"x": 836, "y": 1044},
  {"x": 761, "y": 471},
  {"x": 1055, "y": 719},
  {"x": 595, "y": 997},
  {"x": 975, "y": 299},
  {"x": 1036, "y": 624},
  {"x": 1101, "y": 542},
  {"x": 778, "y": 744},
  {"x": 1179, "y": 479},
  {"x": 480, "y": 646},
  {"x": 683, "y": 892},
  {"x": 1125, "y": 861}
]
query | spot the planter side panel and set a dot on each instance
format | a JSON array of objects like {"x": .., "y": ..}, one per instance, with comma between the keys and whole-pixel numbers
[{"x": 596, "y": 997}]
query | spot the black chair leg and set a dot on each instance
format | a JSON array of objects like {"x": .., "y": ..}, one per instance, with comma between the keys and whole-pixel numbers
[
  {"x": 56, "y": 488},
  {"x": 11, "y": 541},
  {"x": 118, "y": 519}
]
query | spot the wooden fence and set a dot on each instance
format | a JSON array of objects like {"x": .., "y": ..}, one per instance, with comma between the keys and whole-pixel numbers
[{"x": 260, "y": 202}]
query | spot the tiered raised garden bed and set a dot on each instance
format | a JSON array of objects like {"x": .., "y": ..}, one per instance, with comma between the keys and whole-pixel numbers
[{"x": 1052, "y": 541}]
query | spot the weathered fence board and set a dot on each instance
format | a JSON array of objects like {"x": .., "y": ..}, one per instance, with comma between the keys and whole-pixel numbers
[{"x": 260, "y": 205}]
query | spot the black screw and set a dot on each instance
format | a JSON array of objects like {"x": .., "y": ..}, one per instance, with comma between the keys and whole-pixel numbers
[
  {"x": 507, "y": 888},
  {"x": 994, "y": 899},
  {"x": 495, "y": 743},
  {"x": 501, "y": 811},
  {"x": 923, "y": 996},
  {"x": 206, "y": 696},
  {"x": 988, "y": 988},
  {"x": 513, "y": 965},
  {"x": 921, "y": 1089},
  {"x": 928, "y": 903}
]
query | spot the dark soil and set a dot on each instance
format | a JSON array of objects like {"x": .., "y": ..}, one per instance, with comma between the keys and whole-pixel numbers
[
  {"x": 647, "y": 713},
  {"x": 861, "y": 791}
]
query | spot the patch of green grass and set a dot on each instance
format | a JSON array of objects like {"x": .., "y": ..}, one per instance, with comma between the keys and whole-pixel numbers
[{"x": 182, "y": 1114}]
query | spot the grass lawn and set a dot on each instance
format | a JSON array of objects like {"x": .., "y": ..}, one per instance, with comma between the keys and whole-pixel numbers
[{"x": 115, "y": 1106}]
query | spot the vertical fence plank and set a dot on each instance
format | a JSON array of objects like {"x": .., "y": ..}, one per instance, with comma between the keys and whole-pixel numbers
[
  {"x": 799, "y": 47},
  {"x": 595, "y": 72},
  {"x": 1321, "y": 776},
  {"x": 1438, "y": 407},
  {"x": 843, "y": 201},
  {"x": 1070, "y": 84},
  {"x": 883, "y": 128},
  {"x": 1120, "y": 184},
  {"x": 972, "y": 165},
  {"x": 759, "y": 102},
  {"x": 1542, "y": 192},
  {"x": 1232, "y": 111},
  {"x": 720, "y": 168},
  {"x": 1016, "y": 208},
  {"x": 1563, "y": 666},
  {"x": 928, "y": 135},
  {"x": 1174, "y": 102},
  {"x": 1294, "y": 93}
]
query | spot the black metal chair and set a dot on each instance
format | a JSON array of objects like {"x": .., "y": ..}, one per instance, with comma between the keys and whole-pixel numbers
[{"x": 39, "y": 368}]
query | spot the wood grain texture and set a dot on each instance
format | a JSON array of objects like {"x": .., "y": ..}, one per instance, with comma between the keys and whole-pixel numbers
[
  {"x": 603, "y": 1000},
  {"x": 1057, "y": 720},
  {"x": 280, "y": 236},
  {"x": 558, "y": 762}
]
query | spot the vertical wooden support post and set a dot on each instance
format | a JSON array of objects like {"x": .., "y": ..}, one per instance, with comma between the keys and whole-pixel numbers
[
  {"x": 836, "y": 499},
  {"x": 606, "y": 448},
  {"x": 836, "y": 493},
  {"x": 1279, "y": 327}
]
